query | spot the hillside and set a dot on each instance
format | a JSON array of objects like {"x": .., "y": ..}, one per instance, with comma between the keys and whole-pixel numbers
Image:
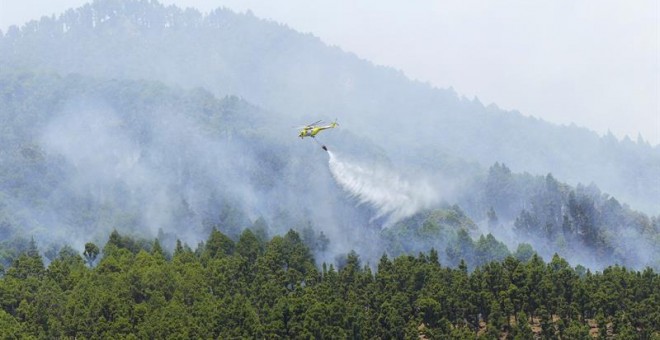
[
  {"x": 152, "y": 185},
  {"x": 86, "y": 156},
  {"x": 256, "y": 287},
  {"x": 297, "y": 78},
  {"x": 82, "y": 157},
  {"x": 124, "y": 115}
]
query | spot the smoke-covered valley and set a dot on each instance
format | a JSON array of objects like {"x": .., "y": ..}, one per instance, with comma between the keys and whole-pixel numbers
[{"x": 160, "y": 122}]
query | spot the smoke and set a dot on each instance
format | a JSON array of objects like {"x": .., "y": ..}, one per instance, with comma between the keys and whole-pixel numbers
[
  {"x": 163, "y": 172},
  {"x": 393, "y": 197}
]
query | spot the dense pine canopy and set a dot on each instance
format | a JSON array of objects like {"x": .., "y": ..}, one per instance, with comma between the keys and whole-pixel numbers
[
  {"x": 251, "y": 287},
  {"x": 151, "y": 186}
]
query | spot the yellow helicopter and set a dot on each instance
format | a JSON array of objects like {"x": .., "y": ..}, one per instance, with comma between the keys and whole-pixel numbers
[{"x": 311, "y": 130}]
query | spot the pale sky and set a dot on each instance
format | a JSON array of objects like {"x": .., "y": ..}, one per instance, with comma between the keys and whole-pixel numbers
[{"x": 594, "y": 63}]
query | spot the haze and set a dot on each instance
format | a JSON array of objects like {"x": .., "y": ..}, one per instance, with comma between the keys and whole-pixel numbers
[
  {"x": 167, "y": 123},
  {"x": 595, "y": 64}
]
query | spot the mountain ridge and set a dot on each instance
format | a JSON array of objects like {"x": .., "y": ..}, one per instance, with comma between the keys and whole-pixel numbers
[
  {"x": 85, "y": 156},
  {"x": 294, "y": 75}
]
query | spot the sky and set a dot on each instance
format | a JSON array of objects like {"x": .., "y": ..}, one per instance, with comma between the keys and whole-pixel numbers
[{"x": 595, "y": 63}]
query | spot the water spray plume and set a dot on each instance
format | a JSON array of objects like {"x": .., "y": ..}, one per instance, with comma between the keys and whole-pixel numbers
[{"x": 381, "y": 188}]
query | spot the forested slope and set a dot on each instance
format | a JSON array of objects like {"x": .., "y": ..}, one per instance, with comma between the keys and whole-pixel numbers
[
  {"x": 298, "y": 78},
  {"x": 254, "y": 287},
  {"x": 83, "y": 156},
  {"x": 578, "y": 222},
  {"x": 164, "y": 128}
]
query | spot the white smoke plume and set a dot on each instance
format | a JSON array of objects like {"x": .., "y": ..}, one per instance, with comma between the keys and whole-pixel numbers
[{"x": 382, "y": 188}]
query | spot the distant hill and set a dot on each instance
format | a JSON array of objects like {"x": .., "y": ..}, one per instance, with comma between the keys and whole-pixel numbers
[
  {"x": 83, "y": 156},
  {"x": 298, "y": 78},
  {"x": 161, "y": 142},
  {"x": 161, "y": 122}
]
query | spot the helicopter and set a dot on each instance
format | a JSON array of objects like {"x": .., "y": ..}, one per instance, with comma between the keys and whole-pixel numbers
[{"x": 311, "y": 130}]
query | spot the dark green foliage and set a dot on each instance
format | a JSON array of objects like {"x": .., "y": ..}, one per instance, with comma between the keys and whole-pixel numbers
[
  {"x": 117, "y": 242},
  {"x": 250, "y": 289},
  {"x": 91, "y": 252},
  {"x": 218, "y": 245},
  {"x": 241, "y": 284},
  {"x": 249, "y": 246}
]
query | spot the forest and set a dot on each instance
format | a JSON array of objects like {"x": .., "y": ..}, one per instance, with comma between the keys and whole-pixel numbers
[
  {"x": 152, "y": 186},
  {"x": 255, "y": 287},
  {"x": 86, "y": 156},
  {"x": 298, "y": 79}
]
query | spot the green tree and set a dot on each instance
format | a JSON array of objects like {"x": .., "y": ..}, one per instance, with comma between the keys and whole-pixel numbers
[
  {"x": 217, "y": 245},
  {"x": 577, "y": 330},
  {"x": 522, "y": 329},
  {"x": 10, "y": 328},
  {"x": 90, "y": 253}
]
